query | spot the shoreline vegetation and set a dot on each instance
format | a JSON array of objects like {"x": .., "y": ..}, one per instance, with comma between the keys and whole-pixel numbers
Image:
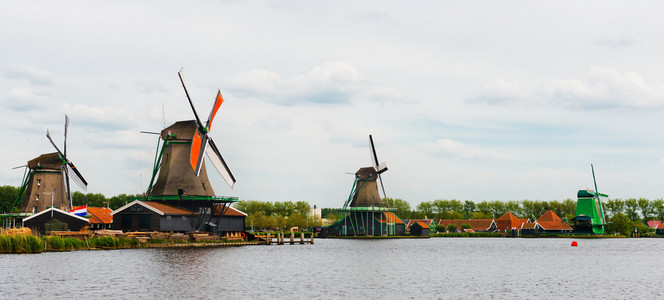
[{"x": 23, "y": 241}]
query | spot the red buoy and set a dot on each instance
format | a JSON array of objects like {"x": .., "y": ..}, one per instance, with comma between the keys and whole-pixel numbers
[{"x": 574, "y": 244}]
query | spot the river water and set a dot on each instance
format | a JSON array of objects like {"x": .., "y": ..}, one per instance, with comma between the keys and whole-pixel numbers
[{"x": 439, "y": 268}]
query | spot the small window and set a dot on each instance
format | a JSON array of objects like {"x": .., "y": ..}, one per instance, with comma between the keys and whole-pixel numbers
[
  {"x": 34, "y": 210},
  {"x": 38, "y": 182},
  {"x": 37, "y": 197},
  {"x": 184, "y": 218},
  {"x": 168, "y": 217}
]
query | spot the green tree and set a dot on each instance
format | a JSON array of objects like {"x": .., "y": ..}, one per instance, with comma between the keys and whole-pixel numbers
[
  {"x": 426, "y": 209},
  {"x": 451, "y": 228},
  {"x": 613, "y": 206},
  {"x": 303, "y": 208},
  {"x": 8, "y": 195},
  {"x": 451, "y": 215},
  {"x": 481, "y": 215},
  {"x": 468, "y": 209},
  {"x": 331, "y": 218},
  {"x": 645, "y": 207},
  {"x": 297, "y": 220},
  {"x": 440, "y": 228},
  {"x": 402, "y": 206},
  {"x": 484, "y": 207},
  {"x": 658, "y": 208},
  {"x": 497, "y": 208},
  {"x": 465, "y": 226},
  {"x": 631, "y": 209},
  {"x": 620, "y": 223}
]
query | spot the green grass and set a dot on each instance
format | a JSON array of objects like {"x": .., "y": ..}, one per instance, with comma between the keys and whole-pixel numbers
[
  {"x": 20, "y": 244},
  {"x": 468, "y": 234}
]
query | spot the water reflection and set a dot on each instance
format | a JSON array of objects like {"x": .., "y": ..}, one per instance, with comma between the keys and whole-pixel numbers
[{"x": 438, "y": 268}]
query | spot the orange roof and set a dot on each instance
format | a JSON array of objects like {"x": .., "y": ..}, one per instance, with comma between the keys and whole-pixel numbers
[
  {"x": 549, "y": 216},
  {"x": 509, "y": 221},
  {"x": 168, "y": 209},
  {"x": 554, "y": 225},
  {"x": 422, "y": 224},
  {"x": 389, "y": 217},
  {"x": 550, "y": 221},
  {"x": 428, "y": 222},
  {"x": 475, "y": 224},
  {"x": 100, "y": 215},
  {"x": 529, "y": 225},
  {"x": 660, "y": 226},
  {"x": 230, "y": 211}
]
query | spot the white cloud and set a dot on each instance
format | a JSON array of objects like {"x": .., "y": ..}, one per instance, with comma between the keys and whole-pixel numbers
[
  {"x": 462, "y": 150},
  {"x": 31, "y": 74}
]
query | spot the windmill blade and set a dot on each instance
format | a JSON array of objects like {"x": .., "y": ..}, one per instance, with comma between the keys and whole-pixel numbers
[
  {"x": 23, "y": 166},
  {"x": 379, "y": 167},
  {"x": 218, "y": 162},
  {"x": 67, "y": 185},
  {"x": 217, "y": 103},
  {"x": 48, "y": 135},
  {"x": 198, "y": 120},
  {"x": 198, "y": 145},
  {"x": 66, "y": 126},
  {"x": 150, "y": 132},
  {"x": 75, "y": 175},
  {"x": 383, "y": 188}
]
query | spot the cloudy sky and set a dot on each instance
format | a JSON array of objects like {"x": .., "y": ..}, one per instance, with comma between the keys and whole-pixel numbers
[{"x": 468, "y": 100}]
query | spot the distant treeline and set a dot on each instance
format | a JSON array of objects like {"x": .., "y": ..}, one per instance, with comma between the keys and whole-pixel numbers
[
  {"x": 637, "y": 210},
  {"x": 8, "y": 195},
  {"x": 282, "y": 215}
]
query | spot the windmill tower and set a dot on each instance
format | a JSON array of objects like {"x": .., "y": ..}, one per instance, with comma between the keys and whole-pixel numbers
[
  {"x": 47, "y": 181},
  {"x": 365, "y": 212},
  {"x": 183, "y": 179},
  {"x": 589, "y": 210}
]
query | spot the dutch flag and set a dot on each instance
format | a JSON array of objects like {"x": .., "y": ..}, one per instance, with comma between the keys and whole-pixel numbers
[{"x": 80, "y": 211}]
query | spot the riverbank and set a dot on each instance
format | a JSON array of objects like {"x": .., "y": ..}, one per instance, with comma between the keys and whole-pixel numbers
[{"x": 28, "y": 243}]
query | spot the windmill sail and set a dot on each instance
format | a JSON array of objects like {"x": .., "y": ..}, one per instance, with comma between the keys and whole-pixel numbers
[
  {"x": 380, "y": 167},
  {"x": 219, "y": 163},
  {"x": 202, "y": 144}
]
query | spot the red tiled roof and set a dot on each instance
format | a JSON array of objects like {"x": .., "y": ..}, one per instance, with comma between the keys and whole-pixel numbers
[
  {"x": 554, "y": 225},
  {"x": 422, "y": 224},
  {"x": 549, "y": 216},
  {"x": 529, "y": 225},
  {"x": 168, "y": 209},
  {"x": 550, "y": 221},
  {"x": 509, "y": 221},
  {"x": 428, "y": 222},
  {"x": 654, "y": 223},
  {"x": 100, "y": 215},
  {"x": 475, "y": 224},
  {"x": 389, "y": 217},
  {"x": 660, "y": 226}
]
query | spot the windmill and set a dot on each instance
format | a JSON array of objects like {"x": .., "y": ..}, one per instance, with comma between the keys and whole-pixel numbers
[
  {"x": 49, "y": 174},
  {"x": 366, "y": 213},
  {"x": 589, "y": 210},
  {"x": 180, "y": 165}
]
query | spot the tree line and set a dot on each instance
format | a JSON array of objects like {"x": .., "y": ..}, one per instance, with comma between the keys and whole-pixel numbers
[
  {"x": 8, "y": 196},
  {"x": 636, "y": 210},
  {"x": 265, "y": 215}
]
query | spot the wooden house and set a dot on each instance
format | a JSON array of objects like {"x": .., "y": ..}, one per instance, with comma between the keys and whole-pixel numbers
[
  {"x": 54, "y": 219},
  {"x": 153, "y": 216},
  {"x": 419, "y": 229},
  {"x": 429, "y": 222},
  {"x": 100, "y": 217}
]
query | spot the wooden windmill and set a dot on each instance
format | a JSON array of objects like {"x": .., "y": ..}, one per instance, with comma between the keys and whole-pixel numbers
[
  {"x": 365, "y": 212},
  {"x": 46, "y": 180},
  {"x": 365, "y": 188},
  {"x": 182, "y": 173}
]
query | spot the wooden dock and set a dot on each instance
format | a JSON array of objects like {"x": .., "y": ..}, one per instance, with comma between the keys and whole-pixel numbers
[{"x": 279, "y": 239}]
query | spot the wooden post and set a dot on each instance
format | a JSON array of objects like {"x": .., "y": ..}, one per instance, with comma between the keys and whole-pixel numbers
[
  {"x": 311, "y": 239},
  {"x": 292, "y": 238},
  {"x": 268, "y": 239},
  {"x": 280, "y": 240},
  {"x": 301, "y": 237}
]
